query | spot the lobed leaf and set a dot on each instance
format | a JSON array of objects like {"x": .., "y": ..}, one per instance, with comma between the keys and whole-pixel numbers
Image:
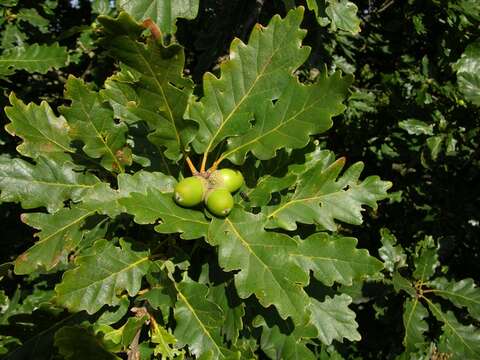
[
  {"x": 153, "y": 205},
  {"x": 393, "y": 255},
  {"x": 99, "y": 276},
  {"x": 321, "y": 197},
  {"x": 414, "y": 315},
  {"x": 163, "y": 12},
  {"x": 60, "y": 234},
  {"x": 161, "y": 93},
  {"x": 334, "y": 259},
  {"x": 333, "y": 319},
  {"x": 92, "y": 122},
  {"x": 264, "y": 263},
  {"x": 301, "y": 110},
  {"x": 463, "y": 293},
  {"x": 199, "y": 321},
  {"x": 33, "y": 58},
  {"x": 281, "y": 346},
  {"x": 42, "y": 132},
  {"x": 457, "y": 339},
  {"x": 425, "y": 259},
  {"x": 47, "y": 183},
  {"x": 468, "y": 69},
  {"x": 254, "y": 75}
]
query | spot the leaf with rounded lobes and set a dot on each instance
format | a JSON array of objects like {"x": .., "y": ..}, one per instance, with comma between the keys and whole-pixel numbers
[
  {"x": 335, "y": 259},
  {"x": 393, "y": 255},
  {"x": 153, "y": 205},
  {"x": 343, "y": 14},
  {"x": 33, "y": 58},
  {"x": 47, "y": 183},
  {"x": 92, "y": 122},
  {"x": 400, "y": 283},
  {"x": 105, "y": 200},
  {"x": 199, "y": 321},
  {"x": 463, "y": 293},
  {"x": 100, "y": 275},
  {"x": 281, "y": 346},
  {"x": 162, "y": 92},
  {"x": 416, "y": 127},
  {"x": 458, "y": 339},
  {"x": 425, "y": 259},
  {"x": 233, "y": 322},
  {"x": 414, "y": 315},
  {"x": 468, "y": 73},
  {"x": 75, "y": 342},
  {"x": 254, "y": 75},
  {"x": 333, "y": 319},
  {"x": 301, "y": 111},
  {"x": 42, "y": 132},
  {"x": 321, "y": 197},
  {"x": 264, "y": 261},
  {"x": 163, "y": 12},
  {"x": 165, "y": 343},
  {"x": 60, "y": 234}
]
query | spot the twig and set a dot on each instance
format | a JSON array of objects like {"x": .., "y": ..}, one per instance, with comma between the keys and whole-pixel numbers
[{"x": 154, "y": 29}]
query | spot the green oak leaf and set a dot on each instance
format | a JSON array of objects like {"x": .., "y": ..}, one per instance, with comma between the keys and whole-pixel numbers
[
  {"x": 100, "y": 275},
  {"x": 414, "y": 315},
  {"x": 282, "y": 346},
  {"x": 199, "y": 321},
  {"x": 416, "y": 127},
  {"x": 47, "y": 183},
  {"x": 60, "y": 234},
  {"x": 92, "y": 122},
  {"x": 34, "y": 18},
  {"x": 468, "y": 73},
  {"x": 401, "y": 284},
  {"x": 343, "y": 15},
  {"x": 425, "y": 259},
  {"x": 301, "y": 110},
  {"x": 12, "y": 36},
  {"x": 333, "y": 319},
  {"x": 33, "y": 58},
  {"x": 233, "y": 323},
  {"x": 321, "y": 197},
  {"x": 335, "y": 259},
  {"x": 463, "y": 293},
  {"x": 76, "y": 342},
  {"x": 105, "y": 200},
  {"x": 42, "y": 132},
  {"x": 255, "y": 74},
  {"x": 154, "y": 205},
  {"x": 161, "y": 93},
  {"x": 393, "y": 255},
  {"x": 165, "y": 343},
  {"x": 264, "y": 263},
  {"x": 163, "y": 12},
  {"x": 460, "y": 340}
]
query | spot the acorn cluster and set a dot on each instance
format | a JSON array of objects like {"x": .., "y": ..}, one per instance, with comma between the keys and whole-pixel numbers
[{"x": 215, "y": 189}]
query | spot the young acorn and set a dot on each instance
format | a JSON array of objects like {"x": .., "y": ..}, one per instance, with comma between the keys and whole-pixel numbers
[
  {"x": 219, "y": 201},
  {"x": 190, "y": 191},
  {"x": 230, "y": 179}
]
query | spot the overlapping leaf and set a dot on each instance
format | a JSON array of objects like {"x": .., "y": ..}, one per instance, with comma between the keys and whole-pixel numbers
[
  {"x": 301, "y": 110},
  {"x": 334, "y": 259},
  {"x": 333, "y": 319},
  {"x": 60, "y": 234},
  {"x": 153, "y": 205},
  {"x": 321, "y": 197},
  {"x": 163, "y": 12},
  {"x": 425, "y": 259},
  {"x": 461, "y": 340},
  {"x": 264, "y": 263},
  {"x": 255, "y": 74},
  {"x": 468, "y": 70},
  {"x": 199, "y": 321},
  {"x": 33, "y": 58},
  {"x": 281, "y": 346},
  {"x": 392, "y": 254},
  {"x": 47, "y": 183},
  {"x": 42, "y": 132},
  {"x": 414, "y": 314},
  {"x": 162, "y": 92},
  {"x": 92, "y": 122},
  {"x": 463, "y": 293},
  {"x": 99, "y": 276}
]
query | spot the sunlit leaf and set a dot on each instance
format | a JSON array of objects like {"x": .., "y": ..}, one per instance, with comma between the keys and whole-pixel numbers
[
  {"x": 414, "y": 315},
  {"x": 100, "y": 275}
]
